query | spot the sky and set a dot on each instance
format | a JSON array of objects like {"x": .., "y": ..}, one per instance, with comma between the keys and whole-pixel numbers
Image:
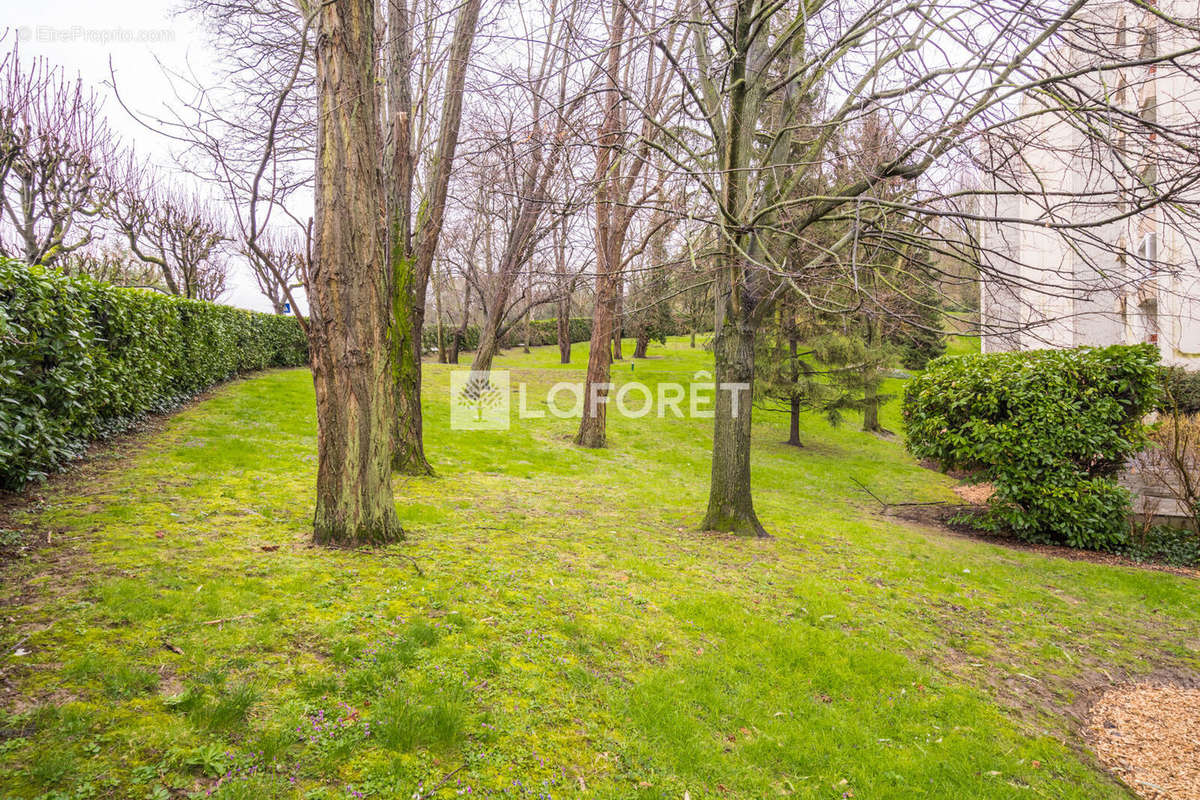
[{"x": 138, "y": 38}]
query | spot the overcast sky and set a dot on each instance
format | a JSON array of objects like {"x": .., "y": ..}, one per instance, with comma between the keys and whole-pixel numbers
[{"x": 84, "y": 35}]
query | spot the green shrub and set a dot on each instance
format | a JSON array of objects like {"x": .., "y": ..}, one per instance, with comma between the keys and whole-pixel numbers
[
  {"x": 1165, "y": 544},
  {"x": 1181, "y": 391},
  {"x": 1050, "y": 429},
  {"x": 80, "y": 359},
  {"x": 545, "y": 332}
]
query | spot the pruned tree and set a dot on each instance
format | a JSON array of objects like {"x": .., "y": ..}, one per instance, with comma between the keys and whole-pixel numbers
[
  {"x": 170, "y": 226},
  {"x": 54, "y": 149},
  {"x": 279, "y": 263},
  {"x": 112, "y": 265}
]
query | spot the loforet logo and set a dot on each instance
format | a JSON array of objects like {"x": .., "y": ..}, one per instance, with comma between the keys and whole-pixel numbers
[{"x": 479, "y": 401}]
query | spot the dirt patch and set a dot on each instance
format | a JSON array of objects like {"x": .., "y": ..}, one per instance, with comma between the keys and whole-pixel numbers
[
  {"x": 975, "y": 493},
  {"x": 1149, "y": 736}
]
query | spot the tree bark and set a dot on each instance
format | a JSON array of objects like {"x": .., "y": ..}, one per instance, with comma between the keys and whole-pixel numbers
[
  {"x": 794, "y": 423},
  {"x": 564, "y": 329},
  {"x": 730, "y": 507},
  {"x": 609, "y": 235},
  {"x": 618, "y": 310},
  {"x": 642, "y": 344},
  {"x": 411, "y": 267},
  {"x": 350, "y": 290}
]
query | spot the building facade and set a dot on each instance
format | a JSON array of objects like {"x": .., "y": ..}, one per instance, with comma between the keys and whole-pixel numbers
[{"x": 1118, "y": 278}]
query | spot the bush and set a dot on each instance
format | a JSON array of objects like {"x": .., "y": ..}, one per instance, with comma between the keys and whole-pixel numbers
[
  {"x": 81, "y": 359},
  {"x": 1181, "y": 391},
  {"x": 1050, "y": 429},
  {"x": 1164, "y": 544},
  {"x": 429, "y": 337},
  {"x": 545, "y": 332}
]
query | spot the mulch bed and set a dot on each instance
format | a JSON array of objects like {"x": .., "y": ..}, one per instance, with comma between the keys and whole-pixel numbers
[{"x": 1149, "y": 736}]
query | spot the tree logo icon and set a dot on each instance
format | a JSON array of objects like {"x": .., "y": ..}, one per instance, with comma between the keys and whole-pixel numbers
[{"x": 479, "y": 401}]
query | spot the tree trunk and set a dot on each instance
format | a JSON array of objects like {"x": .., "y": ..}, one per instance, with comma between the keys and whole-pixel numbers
[
  {"x": 793, "y": 336},
  {"x": 618, "y": 326},
  {"x": 693, "y": 342},
  {"x": 730, "y": 507},
  {"x": 592, "y": 426},
  {"x": 609, "y": 236},
  {"x": 460, "y": 334},
  {"x": 871, "y": 381},
  {"x": 349, "y": 290},
  {"x": 871, "y": 408},
  {"x": 411, "y": 268},
  {"x": 489, "y": 345},
  {"x": 441, "y": 328},
  {"x": 564, "y": 329},
  {"x": 408, "y": 456},
  {"x": 642, "y": 344},
  {"x": 794, "y": 423}
]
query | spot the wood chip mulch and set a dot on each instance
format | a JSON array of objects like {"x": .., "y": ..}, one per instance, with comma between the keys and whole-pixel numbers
[{"x": 1149, "y": 736}]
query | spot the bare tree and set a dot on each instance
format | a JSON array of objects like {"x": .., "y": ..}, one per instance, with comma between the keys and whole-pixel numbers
[
  {"x": 172, "y": 227},
  {"x": 282, "y": 267},
  {"x": 54, "y": 148},
  {"x": 771, "y": 89},
  {"x": 112, "y": 265},
  {"x": 529, "y": 131},
  {"x": 413, "y": 238},
  {"x": 635, "y": 94}
]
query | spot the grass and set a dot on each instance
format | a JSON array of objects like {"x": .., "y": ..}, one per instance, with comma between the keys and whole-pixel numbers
[{"x": 570, "y": 632}]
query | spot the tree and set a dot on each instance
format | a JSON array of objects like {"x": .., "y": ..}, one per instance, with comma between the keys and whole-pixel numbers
[
  {"x": 631, "y": 99},
  {"x": 964, "y": 87},
  {"x": 528, "y": 131},
  {"x": 170, "y": 226},
  {"x": 281, "y": 267},
  {"x": 54, "y": 148},
  {"x": 112, "y": 265},
  {"x": 413, "y": 240},
  {"x": 350, "y": 288}
]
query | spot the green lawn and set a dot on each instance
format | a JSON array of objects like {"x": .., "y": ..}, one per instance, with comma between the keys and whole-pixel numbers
[{"x": 569, "y": 633}]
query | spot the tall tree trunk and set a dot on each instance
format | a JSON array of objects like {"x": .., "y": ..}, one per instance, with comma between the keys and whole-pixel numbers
[
  {"x": 441, "y": 328},
  {"x": 350, "y": 290},
  {"x": 411, "y": 268},
  {"x": 730, "y": 507},
  {"x": 618, "y": 322},
  {"x": 871, "y": 380},
  {"x": 871, "y": 408},
  {"x": 794, "y": 423},
  {"x": 564, "y": 329},
  {"x": 793, "y": 337},
  {"x": 609, "y": 236},
  {"x": 460, "y": 334}
]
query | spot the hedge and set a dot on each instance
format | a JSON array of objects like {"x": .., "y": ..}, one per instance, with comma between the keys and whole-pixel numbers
[
  {"x": 80, "y": 359},
  {"x": 1049, "y": 428}
]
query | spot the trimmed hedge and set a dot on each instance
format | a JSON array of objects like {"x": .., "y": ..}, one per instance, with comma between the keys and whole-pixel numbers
[
  {"x": 1049, "y": 428},
  {"x": 80, "y": 359},
  {"x": 545, "y": 332}
]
